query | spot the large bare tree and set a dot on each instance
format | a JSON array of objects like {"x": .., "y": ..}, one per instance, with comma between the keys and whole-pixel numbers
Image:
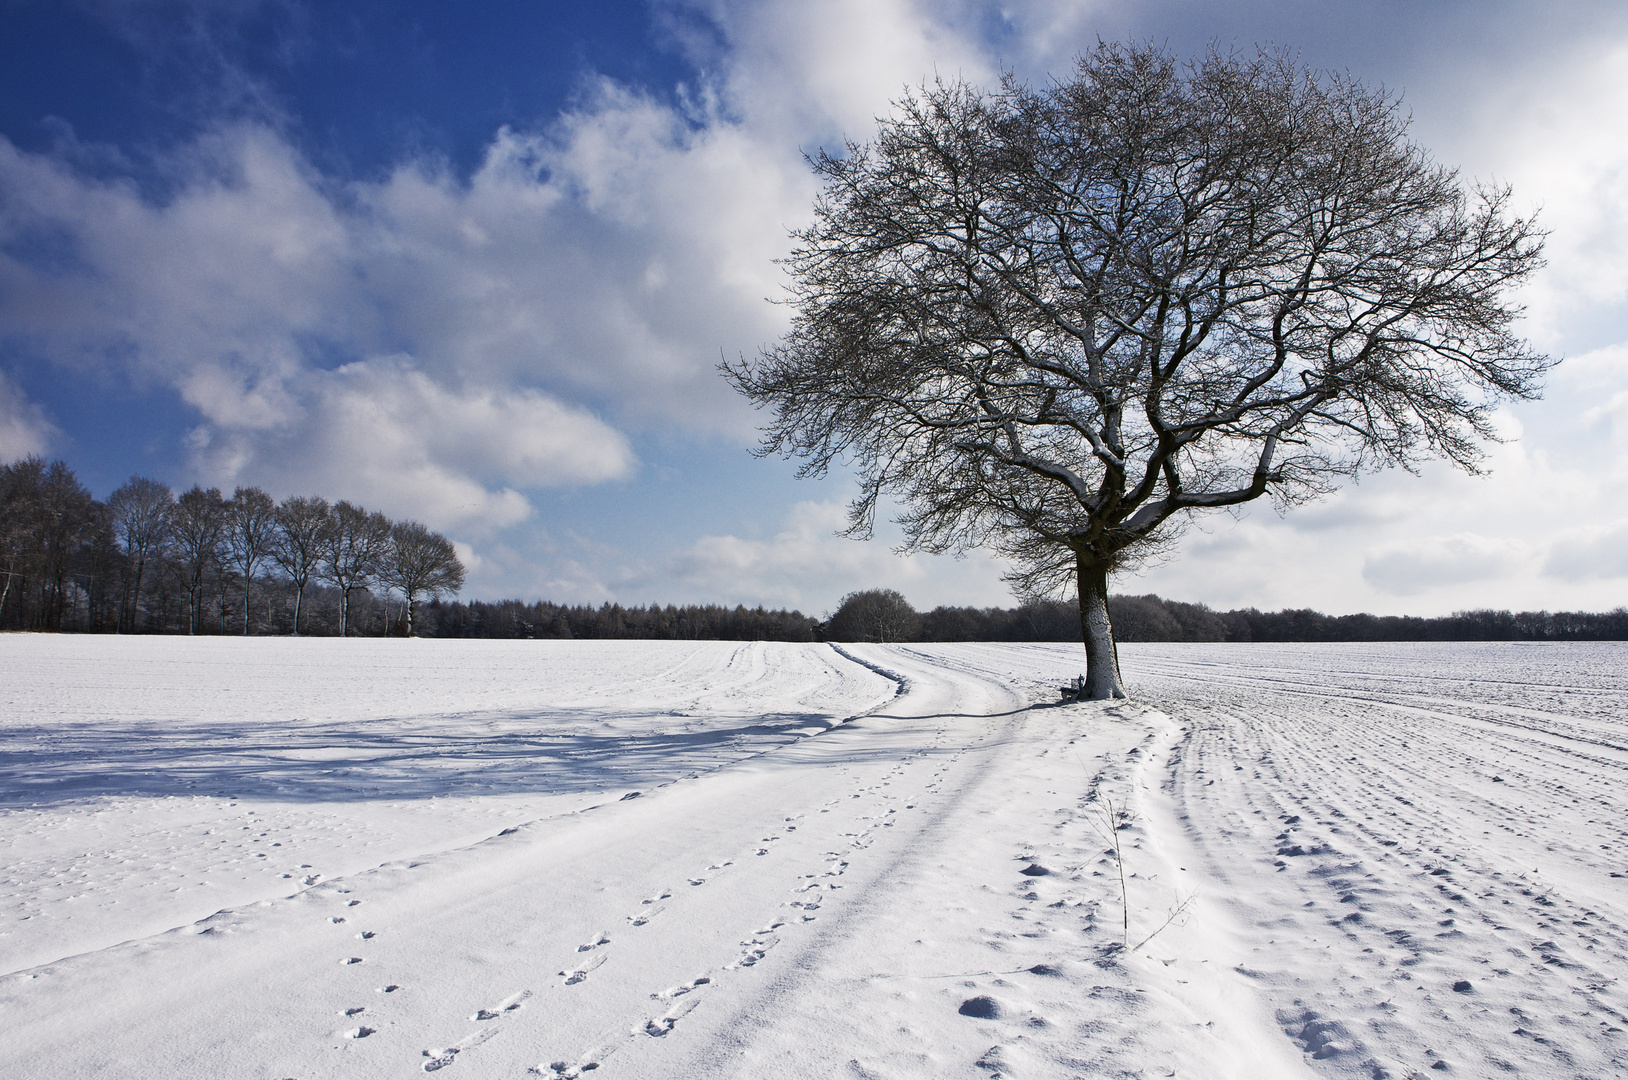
[
  {"x": 198, "y": 528},
  {"x": 353, "y": 545},
  {"x": 302, "y": 528},
  {"x": 251, "y": 534},
  {"x": 418, "y": 562},
  {"x": 141, "y": 510},
  {"x": 1060, "y": 321}
]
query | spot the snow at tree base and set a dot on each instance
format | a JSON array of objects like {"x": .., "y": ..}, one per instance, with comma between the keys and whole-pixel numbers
[{"x": 375, "y": 858}]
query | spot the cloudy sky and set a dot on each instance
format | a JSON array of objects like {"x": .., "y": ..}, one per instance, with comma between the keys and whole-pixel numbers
[{"x": 476, "y": 264}]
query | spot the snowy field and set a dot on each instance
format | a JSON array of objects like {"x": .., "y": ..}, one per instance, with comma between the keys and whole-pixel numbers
[{"x": 279, "y": 858}]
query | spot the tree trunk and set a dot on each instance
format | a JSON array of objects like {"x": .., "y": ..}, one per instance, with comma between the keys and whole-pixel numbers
[
  {"x": 1101, "y": 662},
  {"x": 410, "y": 606},
  {"x": 135, "y": 598},
  {"x": 299, "y": 598},
  {"x": 344, "y": 610}
]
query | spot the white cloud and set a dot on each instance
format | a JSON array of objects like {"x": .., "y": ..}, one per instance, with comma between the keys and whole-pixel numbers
[
  {"x": 827, "y": 70},
  {"x": 1590, "y": 555},
  {"x": 1558, "y": 133},
  {"x": 797, "y": 566},
  {"x": 24, "y": 429},
  {"x": 383, "y": 432},
  {"x": 1413, "y": 567},
  {"x": 598, "y": 270}
]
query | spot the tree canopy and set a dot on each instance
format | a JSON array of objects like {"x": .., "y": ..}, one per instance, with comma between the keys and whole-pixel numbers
[{"x": 1059, "y": 321}]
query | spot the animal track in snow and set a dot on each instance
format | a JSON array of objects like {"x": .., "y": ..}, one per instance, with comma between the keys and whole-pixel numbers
[{"x": 602, "y": 939}]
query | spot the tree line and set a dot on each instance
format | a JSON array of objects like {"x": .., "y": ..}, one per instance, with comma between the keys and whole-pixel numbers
[
  {"x": 885, "y": 615},
  {"x": 149, "y": 561},
  {"x": 1150, "y": 618}
]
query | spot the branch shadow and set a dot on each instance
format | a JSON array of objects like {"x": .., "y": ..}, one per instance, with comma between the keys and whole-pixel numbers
[{"x": 496, "y": 754}]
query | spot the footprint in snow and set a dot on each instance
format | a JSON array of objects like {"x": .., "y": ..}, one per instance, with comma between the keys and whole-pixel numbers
[
  {"x": 390, "y": 988},
  {"x": 588, "y": 1061},
  {"x": 348, "y": 960},
  {"x": 508, "y": 1004},
  {"x": 660, "y": 1026},
  {"x": 354, "y": 1010},
  {"x": 602, "y": 939},
  {"x": 756, "y": 949},
  {"x": 360, "y": 1032},
  {"x": 579, "y": 973},
  {"x": 441, "y": 1057},
  {"x": 687, "y": 988}
]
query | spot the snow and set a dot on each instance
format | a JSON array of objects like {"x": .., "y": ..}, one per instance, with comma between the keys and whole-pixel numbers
[{"x": 363, "y": 858}]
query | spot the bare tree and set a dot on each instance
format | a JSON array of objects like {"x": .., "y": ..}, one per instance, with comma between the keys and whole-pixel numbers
[
  {"x": 418, "y": 563},
  {"x": 1059, "y": 322},
  {"x": 353, "y": 546},
  {"x": 198, "y": 526},
  {"x": 251, "y": 533},
  {"x": 18, "y": 481},
  {"x": 302, "y": 525},
  {"x": 141, "y": 511},
  {"x": 49, "y": 529},
  {"x": 875, "y": 615}
]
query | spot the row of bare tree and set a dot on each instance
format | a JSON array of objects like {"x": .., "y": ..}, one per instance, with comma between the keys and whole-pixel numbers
[{"x": 101, "y": 566}]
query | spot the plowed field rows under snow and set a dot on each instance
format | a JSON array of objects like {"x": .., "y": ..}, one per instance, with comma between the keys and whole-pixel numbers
[{"x": 381, "y": 858}]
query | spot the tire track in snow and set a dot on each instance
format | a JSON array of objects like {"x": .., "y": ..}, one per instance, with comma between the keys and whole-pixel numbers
[{"x": 1385, "y": 853}]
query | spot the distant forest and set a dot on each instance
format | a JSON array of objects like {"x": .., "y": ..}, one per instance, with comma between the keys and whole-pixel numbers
[
  {"x": 146, "y": 561},
  {"x": 149, "y": 561},
  {"x": 1136, "y": 618}
]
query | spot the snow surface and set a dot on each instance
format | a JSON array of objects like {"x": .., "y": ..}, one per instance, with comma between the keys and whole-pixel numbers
[{"x": 319, "y": 858}]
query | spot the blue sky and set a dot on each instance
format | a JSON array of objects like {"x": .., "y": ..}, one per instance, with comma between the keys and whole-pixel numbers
[{"x": 476, "y": 264}]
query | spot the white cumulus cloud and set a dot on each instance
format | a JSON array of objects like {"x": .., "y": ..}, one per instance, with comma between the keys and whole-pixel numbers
[
  {"x": 24, "y": 429},
  {"x": 1418, "y": 566}
]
